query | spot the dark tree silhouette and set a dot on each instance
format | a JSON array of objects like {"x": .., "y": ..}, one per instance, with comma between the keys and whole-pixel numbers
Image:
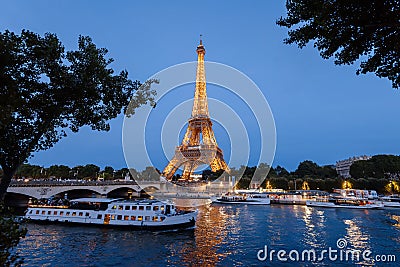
[
  {"x": 349, "y": 30},
  {"x": 45, "y": 90}
]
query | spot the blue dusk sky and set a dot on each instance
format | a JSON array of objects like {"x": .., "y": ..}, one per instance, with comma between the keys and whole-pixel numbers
[{"x": 322, "y": 112}]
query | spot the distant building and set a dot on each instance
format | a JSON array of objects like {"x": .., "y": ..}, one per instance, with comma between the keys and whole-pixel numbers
[{"x": 343, "y": 166}]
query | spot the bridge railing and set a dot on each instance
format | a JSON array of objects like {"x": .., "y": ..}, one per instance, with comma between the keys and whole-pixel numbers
[{"x": 50, "y": 183}]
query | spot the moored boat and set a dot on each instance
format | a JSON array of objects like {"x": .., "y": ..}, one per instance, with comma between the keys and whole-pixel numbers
[
  {"x": 356, "y": 193},
  {"x": 296, "y": 197},
  {"x": 248, "y": 199},
  {"x": 392, "y": 201},
  {"x": 344, "y": 203},
  {"x": 142, "y": 214}
]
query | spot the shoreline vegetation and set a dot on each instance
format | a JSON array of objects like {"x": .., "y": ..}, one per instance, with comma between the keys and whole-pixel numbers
[{"x": 380, "y": 173}]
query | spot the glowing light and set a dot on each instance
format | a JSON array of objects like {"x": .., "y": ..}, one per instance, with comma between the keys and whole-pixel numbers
[
  {"x": 347, "y": 185},
  {"x": 392, "y": 187},
  {"x": 268, "y": 186},
  {"x": 305, "y": 186}
]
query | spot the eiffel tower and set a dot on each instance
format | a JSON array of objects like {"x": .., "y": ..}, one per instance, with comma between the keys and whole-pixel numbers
[{"x": 199, "y": 145}]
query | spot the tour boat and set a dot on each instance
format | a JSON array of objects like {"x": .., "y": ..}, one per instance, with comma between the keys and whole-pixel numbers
[
  {"x": 356, "y": 193},
  {"x": 392, "y": 201},
  {"x": 296, "y": 197},
  {"x": 347, "y": 203},
  {"x": 142, "y": 214},
  {"x": 236, "y": 198}
]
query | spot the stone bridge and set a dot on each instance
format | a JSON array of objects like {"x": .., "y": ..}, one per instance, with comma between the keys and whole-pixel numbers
[{"x": 46, "y": 189}]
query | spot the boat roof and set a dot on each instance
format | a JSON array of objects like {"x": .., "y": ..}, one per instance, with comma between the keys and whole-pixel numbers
[
  {"x": 96, "y": 199},
  {"x": 119, "y": 200}
]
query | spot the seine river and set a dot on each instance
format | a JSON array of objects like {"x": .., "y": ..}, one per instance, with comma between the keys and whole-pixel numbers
[{"x": 227, "y": 236}]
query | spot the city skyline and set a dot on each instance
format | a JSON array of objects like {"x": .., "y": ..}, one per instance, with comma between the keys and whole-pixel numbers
[{"x": 322, "y": 112}]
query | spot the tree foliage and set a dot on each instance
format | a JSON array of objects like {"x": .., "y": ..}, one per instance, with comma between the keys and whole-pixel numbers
[
  {"x": 10, "y": 234},
  {"x": 378, "y": 166},
  {"x": 307, "y": 168},
  {"x": 349, "y": 30},
  {"x": 45, "y": 90}
]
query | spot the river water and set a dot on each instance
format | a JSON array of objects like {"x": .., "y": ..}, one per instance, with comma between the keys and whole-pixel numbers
[{"x": 226, "y": 235}]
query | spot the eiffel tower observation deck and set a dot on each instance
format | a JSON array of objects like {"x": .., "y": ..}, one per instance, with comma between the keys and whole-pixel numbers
[{"x": 199, "y": 145}]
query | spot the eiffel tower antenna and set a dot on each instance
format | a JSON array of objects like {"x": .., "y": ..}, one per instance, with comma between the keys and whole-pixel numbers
[{"x": 199, "y": 145}]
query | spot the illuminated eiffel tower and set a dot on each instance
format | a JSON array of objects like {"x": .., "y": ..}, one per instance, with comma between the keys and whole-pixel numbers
[{"x": 198, "y": 145}]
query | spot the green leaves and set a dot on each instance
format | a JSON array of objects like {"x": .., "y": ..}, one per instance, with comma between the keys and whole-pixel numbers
[
  {"x": 366, "y": 30},
  {"x": 10, "y": 234},
  {"x": 44, "y": 90}
]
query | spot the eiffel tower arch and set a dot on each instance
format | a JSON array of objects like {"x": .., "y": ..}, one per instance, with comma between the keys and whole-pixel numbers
[{"x": 199, "y": 145}]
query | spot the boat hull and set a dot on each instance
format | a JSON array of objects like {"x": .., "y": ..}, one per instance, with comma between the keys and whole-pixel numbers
[
  {"x": 391, "y": 205},
  {"x": 333, "y": 205},
  {"x": 185, "y": 225},
  {"x": 247, "y": 202}
]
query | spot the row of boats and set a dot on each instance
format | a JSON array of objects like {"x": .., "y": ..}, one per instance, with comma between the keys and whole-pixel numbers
[
  {"x": 155, "y": 214},
  {"x": 340, "y": 198}
]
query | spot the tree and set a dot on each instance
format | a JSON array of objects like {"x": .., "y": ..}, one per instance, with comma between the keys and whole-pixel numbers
[
  {"x": 348, "y": 31},
  {"x": 326, "y": 172},
  {"x": 30, "y": 171},
  {"x": 45, "y": 90},
  {"x": 89, "y": 170},
  {"x": 10, "y": 234},
  {"x": 150, "y": 174},
  {"x": 59, "y": 171},
  {"x": 379, "y": 166},
  {"x": 307, "y": 168},
  {"x": 121, "y": 174},
  {"x": 281, "y": 171}
]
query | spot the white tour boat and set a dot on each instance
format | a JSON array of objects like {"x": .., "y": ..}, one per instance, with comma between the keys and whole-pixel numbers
[
  {"x": 249, "y": 199},
  {"x": 392, "y": 201},
  {"x": 142, "y": 214},
  {"x": 356, "y": 193},
  {"x": 345, "y": 203}
]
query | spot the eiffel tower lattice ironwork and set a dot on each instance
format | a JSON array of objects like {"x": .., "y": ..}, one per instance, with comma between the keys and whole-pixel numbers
[{"x": 199, "y": 145}]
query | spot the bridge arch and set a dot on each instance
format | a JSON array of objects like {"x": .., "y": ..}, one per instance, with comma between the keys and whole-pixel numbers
[
  {"x": 77, "y": 193},
  {"x": 16, "y": 199}
]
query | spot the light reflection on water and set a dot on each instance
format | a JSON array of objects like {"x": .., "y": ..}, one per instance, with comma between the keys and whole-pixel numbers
[{"x": 224, "y": 236}]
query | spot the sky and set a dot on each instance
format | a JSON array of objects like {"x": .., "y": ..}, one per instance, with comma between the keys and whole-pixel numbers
[{"x": 322, "y": 112}]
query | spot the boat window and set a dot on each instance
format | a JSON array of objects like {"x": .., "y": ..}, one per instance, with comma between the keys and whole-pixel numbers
[
  {"x": 30, "y": 212},
  {"x": 134, "y": 207},
  {"x": 37, "y": 212},
  {"x": 162, "y": 218},
  {"x": 133, "y": 218},
  {"x": 140, "y": 218},
  {"x": 148, "y": 207},
  {"x": 127, "y": 207},
  {"x": 113, "y": 217},
  {"x": 67, "y": 213},
  {"x": 155, "y": 208},
  {"x": 74, "y": 213},
  {"x": 141, "y": 208},
  {"x": 61, "y": 213},
  {"x": 55, "y": 212},
  {"x": 99, "y": 216},
  {"x": 126, "y": 217},
  {"x": 87, "y": 214},
  {"x": 120, "y": 207},
  {"x": 119, "y": 217},
  {"x": 154, "y": 219},
  {"x": 114, "y": 207},
  {"x": 49, "y": 212},
  {"x": 147, "y": 218},
  {"x": 43, "y": 212},
  {"x": 162, "y": 207}
]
